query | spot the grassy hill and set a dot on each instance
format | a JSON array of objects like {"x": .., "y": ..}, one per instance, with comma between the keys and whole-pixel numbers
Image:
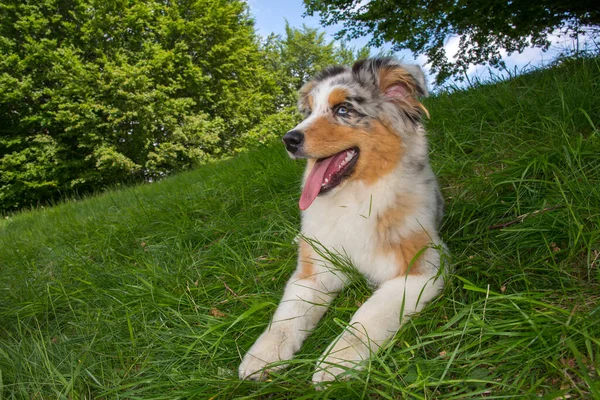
[{"x": 157, "y": 291}]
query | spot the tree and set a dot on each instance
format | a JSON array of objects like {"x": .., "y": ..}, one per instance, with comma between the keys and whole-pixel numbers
[
  {"x": 96, "y": 92},
  {"x": 485, "y": 27}
]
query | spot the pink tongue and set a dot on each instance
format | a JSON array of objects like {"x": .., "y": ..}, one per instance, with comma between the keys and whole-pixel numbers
[
  {"x": 322, "y": 168},
  {"x": 312, "y": 187}
]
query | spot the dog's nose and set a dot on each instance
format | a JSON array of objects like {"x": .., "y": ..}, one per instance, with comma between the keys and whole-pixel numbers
[{"x": 293, "y": 141}]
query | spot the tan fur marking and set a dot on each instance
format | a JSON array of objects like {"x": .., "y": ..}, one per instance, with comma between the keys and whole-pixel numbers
[
  {"x": 306, "y": 269},
  {"x": 337, "y": 96},
  {"x": 395, "y": 217},
  {"x": 425, "y": 110},
  {"x": 406, "y": 250},
  {"x": 380, "y": 148},
  {"x": 410, "y": 247},
  {"x": 380, "y": 153}
]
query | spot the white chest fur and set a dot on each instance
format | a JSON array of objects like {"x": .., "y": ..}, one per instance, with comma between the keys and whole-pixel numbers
[{"x": 346, "y": 222}]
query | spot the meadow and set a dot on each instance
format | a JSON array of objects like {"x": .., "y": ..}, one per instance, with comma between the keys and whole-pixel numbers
[{"x": 156, "y": 291}]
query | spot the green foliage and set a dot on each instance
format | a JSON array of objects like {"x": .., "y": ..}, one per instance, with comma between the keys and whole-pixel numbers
[
  {"x": 94, "y": 92},
  {"x": 157, "y": 291},
  {"x": 271, "y": 128},
  {"x": 485, "y": 27}
]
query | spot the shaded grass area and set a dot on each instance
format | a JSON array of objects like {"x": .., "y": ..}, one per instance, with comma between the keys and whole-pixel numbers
[{"x": 157, "y": 291}]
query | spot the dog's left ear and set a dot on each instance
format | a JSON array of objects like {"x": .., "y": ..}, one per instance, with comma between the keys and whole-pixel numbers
[
  {"x": 402, "y": 81},
  {"x": 401, "y": 84},
  {"x": 404, "y": 85}
]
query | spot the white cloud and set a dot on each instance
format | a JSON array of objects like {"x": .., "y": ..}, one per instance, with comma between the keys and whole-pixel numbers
[{"x": 530, "y": 57}]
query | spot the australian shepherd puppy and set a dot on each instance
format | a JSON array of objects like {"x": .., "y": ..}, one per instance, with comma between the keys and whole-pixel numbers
[{"x": 369, "y": 194}]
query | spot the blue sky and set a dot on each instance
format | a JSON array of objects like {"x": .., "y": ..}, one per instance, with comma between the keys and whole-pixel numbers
[{"x": 270, "y": 16}]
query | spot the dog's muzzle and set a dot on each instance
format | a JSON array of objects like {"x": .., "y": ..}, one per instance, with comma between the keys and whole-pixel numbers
[{"x": 293, "y": 141}]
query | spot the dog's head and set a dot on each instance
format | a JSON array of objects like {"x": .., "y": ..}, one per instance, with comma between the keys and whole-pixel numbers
[{"x": 358, "y": 122}]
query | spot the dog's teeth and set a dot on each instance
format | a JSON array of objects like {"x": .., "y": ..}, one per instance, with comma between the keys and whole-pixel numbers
[{"x": 349, "y": 156}]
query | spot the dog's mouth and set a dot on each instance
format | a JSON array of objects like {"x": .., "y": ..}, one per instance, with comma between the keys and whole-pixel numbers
[{"x": 327, "y": 173}]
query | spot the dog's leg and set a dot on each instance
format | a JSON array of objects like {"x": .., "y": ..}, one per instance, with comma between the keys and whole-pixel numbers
[
  {"x": 376, "y": 321},
  {"x": 304, "y": 302}
]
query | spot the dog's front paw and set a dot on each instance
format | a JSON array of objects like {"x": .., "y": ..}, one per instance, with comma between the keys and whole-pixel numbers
[
  {"x": 344, "y": 357},
  {"x": 255, "y": 368},
  {"x": 325, "y": 375},
  {"x": 257, "y": 363}
]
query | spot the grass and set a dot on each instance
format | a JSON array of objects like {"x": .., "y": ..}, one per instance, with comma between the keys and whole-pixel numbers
[{"x": 156, "y": 291}]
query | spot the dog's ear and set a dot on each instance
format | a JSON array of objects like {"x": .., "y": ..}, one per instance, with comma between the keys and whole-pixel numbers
[
  {"x": 305, "y": 100},
  {"x": 403, "y": 81},
  {"x": 401, "y": 84}
]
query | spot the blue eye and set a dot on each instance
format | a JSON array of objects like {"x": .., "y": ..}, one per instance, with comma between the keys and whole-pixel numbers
[{"x": 342, "y": 111}]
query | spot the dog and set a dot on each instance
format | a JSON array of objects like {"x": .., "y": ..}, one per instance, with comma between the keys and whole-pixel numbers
[{"x": 368, "y": 193}]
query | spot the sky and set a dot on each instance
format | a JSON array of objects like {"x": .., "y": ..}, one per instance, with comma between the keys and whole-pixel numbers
[{"x": 270, "y": 17}]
